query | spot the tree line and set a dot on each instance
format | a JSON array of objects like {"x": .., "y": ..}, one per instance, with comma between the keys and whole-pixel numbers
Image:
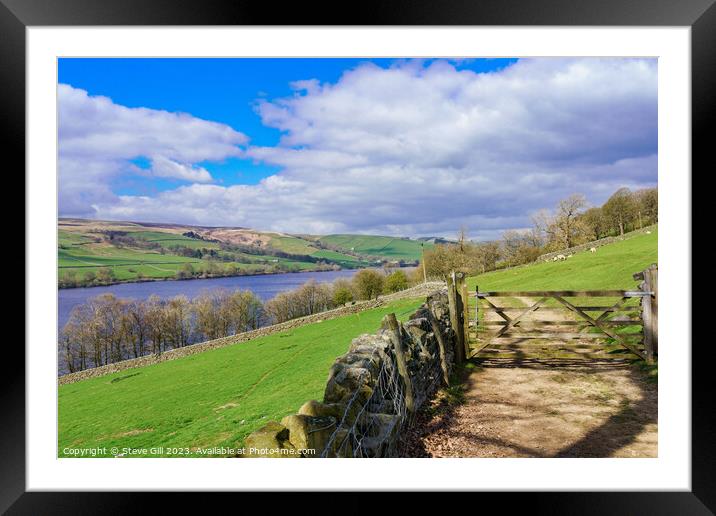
[
  {"x": 108, "y": 329},
  {"x": 572, "y": 222}
]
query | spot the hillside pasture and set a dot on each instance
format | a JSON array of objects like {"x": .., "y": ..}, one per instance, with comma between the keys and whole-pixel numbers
[
  {"x": 385, "y": 247},
  {"x": 213, "y": 398},
  {"x": 611, "y": 267}
]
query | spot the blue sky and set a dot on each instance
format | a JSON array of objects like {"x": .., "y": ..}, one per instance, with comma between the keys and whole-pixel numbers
[
  {"x": 294, "y": 144},
  {"x": 221, "y": 90}
]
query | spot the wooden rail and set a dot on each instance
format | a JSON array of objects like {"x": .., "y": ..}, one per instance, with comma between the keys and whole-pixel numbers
[
  {"x": 517, "y": 322},
  {"x": 532, "y": 322},
  {"x": 564, "y": 293}
]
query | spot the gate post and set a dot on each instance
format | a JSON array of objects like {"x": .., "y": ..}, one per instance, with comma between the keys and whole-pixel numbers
[
  {"x": 465, "y": 313},
  {"x": 649, "y": 311},
  {"x": 477, "y": 310},
  {"x": 455, "y": 319}
]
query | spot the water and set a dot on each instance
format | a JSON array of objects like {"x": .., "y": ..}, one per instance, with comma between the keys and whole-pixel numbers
[{"x": 264, "y": 286}]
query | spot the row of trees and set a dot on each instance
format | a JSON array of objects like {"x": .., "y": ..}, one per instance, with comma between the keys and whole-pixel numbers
[
  {"x": 572, "y": 222},
  {"x": 109, "y": 329},
  {"x": 314, "y": 297}
]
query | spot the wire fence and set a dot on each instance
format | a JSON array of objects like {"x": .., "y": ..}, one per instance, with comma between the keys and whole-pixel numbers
[{"x": 372, "y": 428}]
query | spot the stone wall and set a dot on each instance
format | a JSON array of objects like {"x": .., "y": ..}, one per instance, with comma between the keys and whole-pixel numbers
[
  {"x": 365, "y": 404},
  {"x": 596, "y": 243},
  {"x": 414, "y": 292}
]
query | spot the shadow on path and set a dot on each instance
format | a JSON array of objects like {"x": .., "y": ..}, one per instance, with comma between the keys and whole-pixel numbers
[{"x": 509, "y": 408}]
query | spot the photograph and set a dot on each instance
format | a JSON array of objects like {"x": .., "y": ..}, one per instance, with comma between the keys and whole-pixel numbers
[{"x": 357, "y": 257}]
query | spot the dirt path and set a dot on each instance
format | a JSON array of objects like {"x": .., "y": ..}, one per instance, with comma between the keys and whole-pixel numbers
[
  {"x": 605, "y": 409},
  {"x": 536, "y": 403}
]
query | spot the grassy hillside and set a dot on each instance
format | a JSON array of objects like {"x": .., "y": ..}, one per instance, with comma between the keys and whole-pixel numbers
[
  {"x": 380, "y": 246},
  {"x": 133, "y": 251},
  {"x": 213, "y": 398},
  {"x": 611, "y": 267},
  {"x": 301, "y": 246},
  {"x": 88, "y": 248}
]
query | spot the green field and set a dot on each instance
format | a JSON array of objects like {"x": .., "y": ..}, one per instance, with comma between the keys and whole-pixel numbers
[
  {"x": 169, "y": 240},
  {"x": 611, "y": 267},
  {"x": 295, "y": 245},
  {"x": 82, "y": 253},
  {"x": 381, "y": 246},
  {"x": 214, "y": 398},
  {"x": 85, "y": 247}
]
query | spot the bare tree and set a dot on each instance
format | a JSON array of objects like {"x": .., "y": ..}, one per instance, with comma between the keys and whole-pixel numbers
[
  {"x": 567, "y": 220},
  {"x": 595, "y": 223},
  {"x": 136, "y": 326},
  {"x": 619, "y": 209},
  {"x": 177, "y": 321},
  {"x": 155, "y": 323}
]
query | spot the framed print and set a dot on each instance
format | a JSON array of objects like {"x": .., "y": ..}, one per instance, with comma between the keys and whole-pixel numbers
[{"x": 428, "y": 237}]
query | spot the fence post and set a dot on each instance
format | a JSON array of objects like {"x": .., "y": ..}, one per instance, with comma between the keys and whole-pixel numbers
[
  {"x": 441, "y": 347},
  {"x": 649, "y": 312},
  {"x": 465, "y": 314},
  {"x": 455, "y": 319},
  {"x": 477, "y": 309},
  {"x": 401, "y": 361}
]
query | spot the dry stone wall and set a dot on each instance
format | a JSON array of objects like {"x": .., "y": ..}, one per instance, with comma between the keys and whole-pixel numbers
[{"x": 369, "y": 398}]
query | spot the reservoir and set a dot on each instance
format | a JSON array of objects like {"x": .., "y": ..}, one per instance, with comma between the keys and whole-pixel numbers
[{"x": 264, "y": 286}]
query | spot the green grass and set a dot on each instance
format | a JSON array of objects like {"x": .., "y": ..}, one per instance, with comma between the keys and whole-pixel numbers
[
  {"x": 293, "y": 245},
  {"x": 611, "y": 267},
  {"x": 214, "y": 398},
  {"x": 129, "y": 263},
  {"x": 79, "y": 252},
  {"x": 344, "y": 260},
  {"x": 382, "y": 246}
]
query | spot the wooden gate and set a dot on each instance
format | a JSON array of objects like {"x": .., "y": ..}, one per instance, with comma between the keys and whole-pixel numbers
[
  {"x": 610, "y": 321},
  {"x": 601, "y": 320}
]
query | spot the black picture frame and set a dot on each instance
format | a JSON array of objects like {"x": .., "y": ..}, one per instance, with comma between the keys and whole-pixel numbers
[{"x": 700, "y": 15}]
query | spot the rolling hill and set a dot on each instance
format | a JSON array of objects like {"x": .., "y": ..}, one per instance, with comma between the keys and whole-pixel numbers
[
  {"x": 92, "y": 252},
  {"x": 384, "y": 247},
  {"x": 217, "y": 397}
]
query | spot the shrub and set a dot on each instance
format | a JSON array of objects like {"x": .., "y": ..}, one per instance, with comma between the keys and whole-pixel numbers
[
  {"x": 395, "y": 282},
  {"x": 368, "y": 283},
  {"x": 342, "y": 295}
]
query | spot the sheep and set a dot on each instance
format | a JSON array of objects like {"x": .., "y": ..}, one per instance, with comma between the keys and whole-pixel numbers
[
  {"x": 648, "y": 232},
  {"x": 560, "y": 257},
  {"x": 592, "y": 249}
]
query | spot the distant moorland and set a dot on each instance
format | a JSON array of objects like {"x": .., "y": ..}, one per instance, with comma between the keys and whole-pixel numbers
[{"x": 92, "y": 252}]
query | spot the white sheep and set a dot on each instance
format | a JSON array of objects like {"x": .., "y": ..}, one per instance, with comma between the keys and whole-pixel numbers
[
  {"x": 648, "y": 232},
  {"x": 560, "y": 257},
  {"x": 592, "y": 249}
]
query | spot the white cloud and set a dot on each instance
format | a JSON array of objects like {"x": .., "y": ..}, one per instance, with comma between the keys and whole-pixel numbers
[
  {"x": 163, "y": 167},
  {"x": 416, "y": 150},
  {"x": 98, "y": 140}
]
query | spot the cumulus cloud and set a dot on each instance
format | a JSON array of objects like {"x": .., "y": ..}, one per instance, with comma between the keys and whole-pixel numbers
[
  {"x": 99, "y": 140},
  {"x": 163, "y": 167},
  {"x": 423, "y": 150}
]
